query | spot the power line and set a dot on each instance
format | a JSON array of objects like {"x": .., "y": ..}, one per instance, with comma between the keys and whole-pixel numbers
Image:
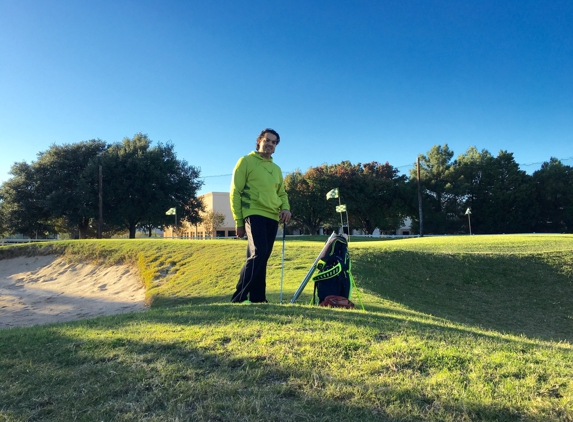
[
  {"x": 539, "y": 163},
  {"x": 216, "y": 175},
  {"x": 397, "y": 167}
]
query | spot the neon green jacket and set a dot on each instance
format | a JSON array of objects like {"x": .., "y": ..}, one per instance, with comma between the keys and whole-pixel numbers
[{"x": 257, "y": 188}]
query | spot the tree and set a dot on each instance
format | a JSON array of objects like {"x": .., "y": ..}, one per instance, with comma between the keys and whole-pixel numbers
[
  {"x": 306, "y": 193},
  {"x": 55, "y": 192},
  {"x": 471, "y": 185},
  {"x": 552, "y": 184},
  {"x": 376, "y": 196},
  {"x": 69, "y": 184},
  {"x": 439, "y": 201},
  {"x": 22, "y": 207},
  {"x": 499, "y": 193},
  {"x": 507, "y": 198},
  {"x": 3, "y": 226},
  {"x": 142, "y": 182},
  {"x": 59, "y": 191},
  {"x": 213, "y": 220},
  {"x": 373, "y": 193}
]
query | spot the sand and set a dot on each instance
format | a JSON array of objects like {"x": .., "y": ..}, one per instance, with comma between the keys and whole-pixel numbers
[{"x": 47, "y": 289}]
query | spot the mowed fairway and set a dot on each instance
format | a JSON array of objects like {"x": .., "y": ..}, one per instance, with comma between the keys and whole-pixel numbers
[{"x": 455, "y": 329}]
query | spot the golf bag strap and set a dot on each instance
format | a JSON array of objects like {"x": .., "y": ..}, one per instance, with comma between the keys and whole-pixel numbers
[
  {"x": 313, "y": 301},
  {"x": 354, "y": 288}
]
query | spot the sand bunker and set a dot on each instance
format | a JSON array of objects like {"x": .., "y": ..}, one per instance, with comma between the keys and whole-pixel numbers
[{"x": 47, "y": 289}]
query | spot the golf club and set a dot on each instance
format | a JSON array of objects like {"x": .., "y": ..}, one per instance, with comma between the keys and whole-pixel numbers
[
  {"x": 283, "y": 263},
  {"x": 311, "y": 271}
]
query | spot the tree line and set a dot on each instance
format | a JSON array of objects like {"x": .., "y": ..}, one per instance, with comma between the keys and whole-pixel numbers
[
  {"x": 500, "y": 196},
  {"x": 59, "y": 193}
]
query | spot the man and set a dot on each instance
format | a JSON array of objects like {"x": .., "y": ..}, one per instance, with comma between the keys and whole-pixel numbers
[{"x": 258, "y": 202}]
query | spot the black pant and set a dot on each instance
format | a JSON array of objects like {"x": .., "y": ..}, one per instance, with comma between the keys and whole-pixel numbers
[{"x": 261, "y": 233}]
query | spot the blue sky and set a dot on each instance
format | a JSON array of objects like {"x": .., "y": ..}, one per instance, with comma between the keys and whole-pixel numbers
[{"x": 339, "y": 80}]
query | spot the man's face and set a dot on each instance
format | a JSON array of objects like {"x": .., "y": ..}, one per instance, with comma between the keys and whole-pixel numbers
[{"x": 267, "y": 144}]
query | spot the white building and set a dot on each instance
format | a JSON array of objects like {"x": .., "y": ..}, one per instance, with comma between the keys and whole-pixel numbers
[{"x": 213, "y": 201}]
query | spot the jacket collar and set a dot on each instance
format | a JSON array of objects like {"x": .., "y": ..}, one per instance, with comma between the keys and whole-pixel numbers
[{"x": 256, "y": 154}]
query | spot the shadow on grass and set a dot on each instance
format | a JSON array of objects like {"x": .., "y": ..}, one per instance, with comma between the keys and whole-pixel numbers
[
  {"x": 517, "y": 294},
  {"x": 378, "y": 317},
  {"x": 529, "y": 295},
  {"x": 114, "y": 369}
]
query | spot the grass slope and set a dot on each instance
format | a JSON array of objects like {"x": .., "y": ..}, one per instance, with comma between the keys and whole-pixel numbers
[{"x": 455, "y": 328}]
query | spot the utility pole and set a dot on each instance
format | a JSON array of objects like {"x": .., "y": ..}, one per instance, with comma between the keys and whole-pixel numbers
[
  {"x": 420, "y": 199},
  {"x": 100, "y": 221}
]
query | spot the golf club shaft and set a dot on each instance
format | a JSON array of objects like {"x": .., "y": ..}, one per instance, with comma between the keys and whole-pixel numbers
[
  {"x": 311, "y": 271},
  {"x": 283, "y": 263}
]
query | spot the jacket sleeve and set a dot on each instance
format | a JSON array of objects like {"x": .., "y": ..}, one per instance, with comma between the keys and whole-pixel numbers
[
  {"x": 282, "y": 194},
  {"x": 237, "y": 186}
]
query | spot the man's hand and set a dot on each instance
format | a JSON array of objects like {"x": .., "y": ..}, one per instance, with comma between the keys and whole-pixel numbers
[
  {"x": 284, "y": 216},
  {"x": 240, "y": 232}
]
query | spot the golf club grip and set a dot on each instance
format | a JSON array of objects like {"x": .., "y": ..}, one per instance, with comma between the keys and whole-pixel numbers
[{"x": 311, "y": 271}]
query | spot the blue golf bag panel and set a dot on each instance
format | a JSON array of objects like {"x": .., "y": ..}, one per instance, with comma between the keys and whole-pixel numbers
[{"x": 334, "y": 275}]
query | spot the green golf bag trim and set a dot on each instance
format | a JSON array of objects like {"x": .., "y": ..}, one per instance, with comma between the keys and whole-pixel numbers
[
  {"x": 335, "y": 272},
  {"x": 352, "y": 287}
]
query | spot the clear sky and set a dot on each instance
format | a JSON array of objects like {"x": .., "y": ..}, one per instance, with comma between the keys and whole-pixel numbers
[{"x": 339, "y": 80}]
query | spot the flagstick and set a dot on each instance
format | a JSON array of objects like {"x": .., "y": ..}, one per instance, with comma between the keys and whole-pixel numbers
[
  {"x": 172, "y": 211},
  {"x": 335, "y": 193},
  {"x": 348, "y": 224},
  {"x": 341, "y": 220}
]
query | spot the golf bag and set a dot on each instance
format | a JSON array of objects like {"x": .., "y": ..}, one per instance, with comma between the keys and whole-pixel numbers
[{"x": 334, "y": 277}]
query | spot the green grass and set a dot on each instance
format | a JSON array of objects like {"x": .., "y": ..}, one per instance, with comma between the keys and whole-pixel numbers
[{"x": 455, "y": 328}]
